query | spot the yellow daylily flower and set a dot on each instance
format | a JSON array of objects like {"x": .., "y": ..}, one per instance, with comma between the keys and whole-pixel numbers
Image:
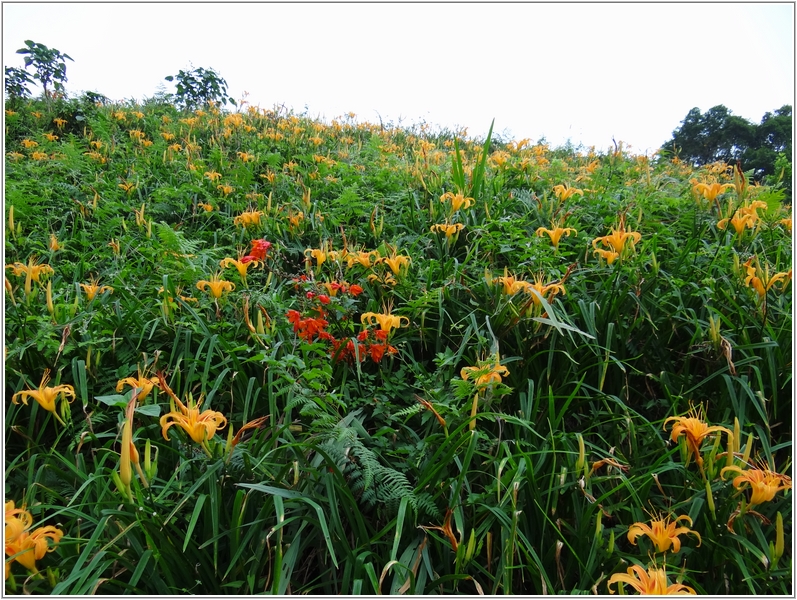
[
  {"x": 762, "y": 481},
  {"x": 556, "y": 233},
  {"x": 54, "y": 245},
  {"x": 650, "y": 582},
  {"x": 608, "y": 255},
  {"x": 215, "y": 287},
  {"x": 361, "y": 257},
  {"x": 511, "y": 284},
  {"x": 32, "y": 269},
  {"x": 387, "y": 322},
  {"x": 200, "y": 426},
  {"x": 694, "y": 430},
  {"x": 318, "y": 254},
  {"x": 448, "y": 229},
  {"x": 618, "y": 238},
  {"x": 752, "y": 210},
  {"x": 740, "y": 221},
  {"x": 213, "y": 175},
  {"x": 546, "y": 291},
  {"x": 46, "y": 396},
  {"x": 457, "y": 200},
  {"x": 760, "y": 279},
  {"x": 17, "y": 520},
  {"x": 662, "y": 532},
  {"x": 249, "y": 218},
  {"x": 396, "y": 262},
  {"x": 27, "y": 547},
  {"x": 141, "y": 382},
  {"x": 710, "y": 191},
  {"x": 563, "y": 192},
  {"x": 485, "y": 373},
  {"x": 239, "y": 265},
  {"x": 92, "y": 289}
]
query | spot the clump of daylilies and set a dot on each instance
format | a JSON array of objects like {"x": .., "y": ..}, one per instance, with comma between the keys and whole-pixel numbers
[{"x": 486, "y": 374}]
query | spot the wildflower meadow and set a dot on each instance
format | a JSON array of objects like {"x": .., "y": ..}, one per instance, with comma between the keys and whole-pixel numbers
[{"x": 249, "y": 351}]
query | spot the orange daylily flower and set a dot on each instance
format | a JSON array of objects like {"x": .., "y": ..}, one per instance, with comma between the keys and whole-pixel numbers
[
  {"x": 457, "y": 201},
  {"x": 387, "y": 322},
  {"x": 485, "y": 373},
  {"x": 556, "y": 233},
  {"x": 241, "y": 266},
  {"x": 141, "y": 382},
  {"x": 249, "y": 218},
  {"x": 662, "y": 532},
  {"x": 200, "y": 426},
  {"x": 762, "y": 481},
  {"x": 46, "y": 396},
  {"x": 760, "y": 279},
  {"x": 215, "y": 287},
  {"x": 93, "y": 288},
  {"x": 650, "y": 582},
  {"x": 710, "y": 191},
  {"x": 563, "y": 192},
  {"x": 448, "y": 229},
  {"x": 26, "y": 547},
  {"x": 695, "y": 431},
  {"x": 618, "y": 238}
]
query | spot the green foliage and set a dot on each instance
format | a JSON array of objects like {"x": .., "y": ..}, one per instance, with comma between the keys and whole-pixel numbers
[
  {"x": 16, "y": 83},
  {"x": 199, "y": 87},
  {"x": 497, "y": 424},
  {"x": 48, "y": 63}
]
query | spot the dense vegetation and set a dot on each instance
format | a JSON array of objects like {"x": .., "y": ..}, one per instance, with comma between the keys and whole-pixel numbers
[{"x": 249, "y": 351}]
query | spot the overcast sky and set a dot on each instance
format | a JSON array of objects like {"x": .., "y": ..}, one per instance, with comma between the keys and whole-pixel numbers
[{"x": 584, "y": 72}]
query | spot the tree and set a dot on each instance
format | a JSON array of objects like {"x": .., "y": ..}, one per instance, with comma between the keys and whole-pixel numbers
[
  {"x": 16, "y": 83},
  {"x": 718, "y": 135},
  {"x": 48, "y": 63},
  {"x": 199, "y": 87}
]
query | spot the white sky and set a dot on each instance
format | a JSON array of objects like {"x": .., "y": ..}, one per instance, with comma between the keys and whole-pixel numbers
[{"x": 586, "y": 72}]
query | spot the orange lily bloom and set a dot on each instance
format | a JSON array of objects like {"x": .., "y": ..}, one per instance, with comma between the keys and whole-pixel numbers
[
  {"x": 650, "y": 582},
  {"x": 710, "y": 191},
  {"x": 563, "y": 192},
  {"x": 26, "y": 548},
  {"x": 695, "y": 430},
  {"x": 45, "y": 396},
  {"x": 249, "y": 218},
  {"x": 448, "y": 230},
  {"x": 618, "y": 238},
  {"x": 215, "y": 287},
  {"x": 486, "y": 373},
  {"x": 763, "y": 482},
  {"x": 662, "y": 532},
  {"x": 760, "y": 280},
  {"x": 740, "y": 221},
  {"x": 556, "y": 233},
  {"x": 201, "y": 426},
  {"x": 93, "y": 288},
  {"x": 387, "y": 322},
  {"x": 241, "y": 266},
  {"x": 457, "y": 201},
  {"x": 142, "y": 383}
]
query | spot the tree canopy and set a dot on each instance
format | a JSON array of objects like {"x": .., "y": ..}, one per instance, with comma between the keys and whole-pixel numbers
[{"x": 719, "y": 135}]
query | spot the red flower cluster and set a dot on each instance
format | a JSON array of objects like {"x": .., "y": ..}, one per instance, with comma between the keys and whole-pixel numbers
[
  {"x": 310, "y": 328},
  {"x": 372, "y": 343},
  {"x": 258, "y": 252}
]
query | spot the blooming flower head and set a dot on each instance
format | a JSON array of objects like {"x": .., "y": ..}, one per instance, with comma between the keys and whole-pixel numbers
[
  {"x": 141, "y": 382},
  {"x": 33, "y": 270},
  {"x": 387, "y": 322},
  {"x": 556, "y": 233},
  {"x": 650, "y": 582},
  {"x": 760, "y": 279},
  {"x": 546, "y": 291},
  {"x": 363, "y": 258},
  {"x": 695, "y": 430},
  {"x": 618, "y": 238},
  {"x": 93, "y": 288},
  {"x": 563, "y": 192},
  {"x": 249, "y": 218},
  {"x": 710, "y": 191},
  {"x": 215, "y": 287},
  {"x": 457, "y": 201},
  {"x": 46, "y": 396},
  {"x": 449, "y": 230},
  {"x": 763, "y": 482},
  {"x": 396, "y": 262},
  {"x": 201, "y": 426},
  {"x": 241, "y": 265},
  {"x": 485, "y": 373},
  {"x": 258, "y": 251},
  {"x": 511, "y": 284},
  {"x": 740, "y": 221},
  {"x": 662, "y": 532},
  {"x": 27, "y": 547}
]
